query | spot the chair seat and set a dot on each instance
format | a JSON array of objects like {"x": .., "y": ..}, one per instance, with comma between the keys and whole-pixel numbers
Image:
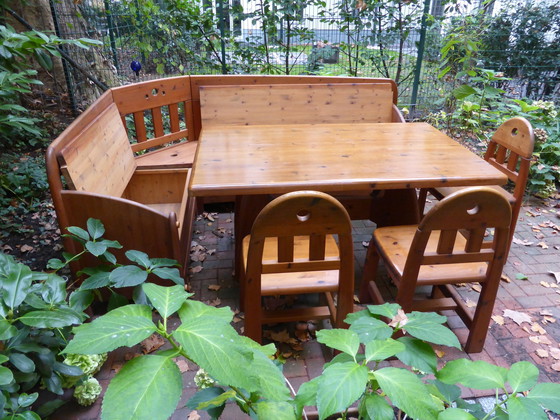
[
  {"x": 446, "y": 191},
  {"x": 394, "y": 243},
  {"x": 297, "y": 282},
  {"x": 177, "y": 156}
]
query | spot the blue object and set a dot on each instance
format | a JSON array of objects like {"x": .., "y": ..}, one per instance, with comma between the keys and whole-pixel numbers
[{"x": 136, "y": 67}]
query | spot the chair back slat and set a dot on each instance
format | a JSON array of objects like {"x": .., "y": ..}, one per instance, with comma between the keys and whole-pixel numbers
[
  {"x": 286, "y": 249},
  {"x": 446, "y": 241},
  {"x": 475, "y": 240},
  {"x": 157, "y": 121},
  {"x": 317, "y": 247},
  {"x": 140, "y": 126}
]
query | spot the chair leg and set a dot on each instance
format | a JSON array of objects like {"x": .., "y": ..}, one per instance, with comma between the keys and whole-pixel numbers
[
  {"x": 252, "y": 303},
  {"x": 422, "y": 197},
  {"x": 369, "y": 274},
  {"x": 482, "y": 316}
]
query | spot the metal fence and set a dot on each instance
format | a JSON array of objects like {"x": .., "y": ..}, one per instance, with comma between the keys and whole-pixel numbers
[{"x": 318, "y": 43}]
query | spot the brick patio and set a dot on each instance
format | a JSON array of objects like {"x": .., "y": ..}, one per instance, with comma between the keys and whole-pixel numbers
[{"x": 506, "y": 344}]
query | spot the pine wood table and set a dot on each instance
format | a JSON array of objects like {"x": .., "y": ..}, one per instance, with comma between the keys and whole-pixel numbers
[{"x": 255, "y": 161}]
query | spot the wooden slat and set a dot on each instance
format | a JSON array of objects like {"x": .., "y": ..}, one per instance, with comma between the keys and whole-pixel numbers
[
  {"x": 157, "y": 121},
  {"x": 293, "y": 266},
  {"x": 177, "y": 156},
  {"x": 295, "y": 314},
  {"x": 295, "y": 104},
  {"x": 158, "y": 141},
  {"x": 174, "y": 117},
  {"x": 140, "y": 126}
]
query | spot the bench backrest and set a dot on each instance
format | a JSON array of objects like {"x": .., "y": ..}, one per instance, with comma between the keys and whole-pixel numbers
[
  {"x": 296, "y": 104},
  {"x": 99, "y": 159}
]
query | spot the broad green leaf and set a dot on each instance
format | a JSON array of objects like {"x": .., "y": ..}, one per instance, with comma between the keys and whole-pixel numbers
[
  {"x": 204, "y": 395},
  {"x": 79, "y": 232},
  {"x": 276, "y": 410},
  {"x": 520, "y": 408},
  {"x": 140, "y": 258},
  {"x": 271, "y": 382},
  {"x": 418, "y": 354},
  {"x": 369, "y": 328},
  {"x": 344, "y": 357},
  {"x": 16, "y": 285},
  {"x": 407, "y": 392},
  {"x": 95, "y": 228},
  {"x": 477, "y": 375},
  {"x": 354, "y": 316},
  {"x": 146, "y": 388},
  {"x": 427, "y": 326},
  {"x": 383, "y": 349},
  {"x": 344, "y": 340},
  {"x": 132, "y": 310},
  {"x": 22, "y": 362},
  {"x": 128, "y": 275},
  {"x": 447, "y": 392},
  {"x": 45, "y": 410},
  {"x": 55, "y": 318},
  {"x": 116, "y": 300},
  {"x": 96, "y": 281},
  {"x": 3, "y": 358},
  {"x": 463, "y": 91},
  {"x": 25, "y": 400},
  {"x": 212, "y": 346},
  {"x": 455, "y": 414},
  {"x": 163, "y": 262},
  {"x": 6, "y": 375},
  {"x": 339, "y": 386},
  {"x": 67, "y": 369},
  {"x": 306, "y": 395},
  {"x": 54, "y": 289},
  {"x": 96, "y": 248},
  {"x": 166, "y": 300},
  {"x": 7, "y": 330},
  {"x": 110, "y": 332},
  {"x": 169, "y": 273},
  {"x": 374, "y": 406},
  {"x": 81, "y": 299},
  {"x": 388, "y": 310},
  {"x": 522, "y": 376},
  {"x": 192, "y": 309},
  {"x": 547, "y": 395},
  {"x": 217, "y": 401}
]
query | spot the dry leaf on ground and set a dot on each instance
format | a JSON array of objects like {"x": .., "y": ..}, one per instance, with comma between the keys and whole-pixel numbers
[
  {"x": 182, "y": 364},
  {"x": 542, "y": 353},
  {"x": 523, "y": 242},
  {"x": 498, "y": 319},
  {"x": 439, "y": 353},
  {"x": 555, "y": 352},
  {"x": 537, "y": 328},
  {"x": 470, "y": 303},
  {"x": 556, "y": 367},
  {"x": 215, "y": 302},
  {"x": 193, "y": 415},
  {"x": 214, "y": 287},
  {"x": 476, "y": 287},
  {"x": 196, "y": 269},
  {"x": 517, "y": 317},
  {"x": 505, "y": 278},
  {"x": 540, "y": 339},
  {"x": 152, "y": 343},
  {"x": 545, "y": 284},
  {"x": 26, "y": 248},
  {"x": 542, "y": 245},
  {"x": 549, "y": 319},
  {"x": 556, "y": 275}
]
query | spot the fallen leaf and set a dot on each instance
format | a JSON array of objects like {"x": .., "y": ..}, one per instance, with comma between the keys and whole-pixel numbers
[
  {"x": 555, "y": 352},
  {"x": 182, "y": 364},
  {"x": 211, "y": 251},
  {"x": 365, "y": 244},
  {"x": 287, "y": 354},
  {"x": 236, "y": 319},
  {"x": 228, "y": 220},
  {"x": 470, "y": 303},
  {"x": 523, "y": 242},
  {"x": 193, "y": 415},
  {"x": 518, "y": 317},
  {"x": 542, "y": 353},
  {"x": 214, "y": 287},
  {"x": 26, "y": 248},
  {"x": 542, "y": 245},
  {"x": 545, "y": 284},
  {"x": 152, "y": 343},
  {"x": 302, "y": 335},
  {"x": 556, "y": 367},
  {"x": 550, "y": 319},
  {"x": 439, "y": 353},
  {"x": 215, "y": 302},
  {"x": 505, "y": 278},
  {"x": 537, "y": 328},
  {"x": 540, "y": 339},
  {"x": 498, "y": 319},
  {"x": 476, "y": 287},
  {"x": 521, "y": 276},
  {"x": 556, "y": 275},
  {"x": 196, "y": 269}
]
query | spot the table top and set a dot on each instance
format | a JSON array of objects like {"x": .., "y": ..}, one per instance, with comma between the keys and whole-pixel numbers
[{"x": 274, "y": 159}]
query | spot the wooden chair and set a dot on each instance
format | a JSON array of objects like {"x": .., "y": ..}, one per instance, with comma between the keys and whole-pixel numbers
[
  {"x": 433, "y": 254},
  {"x": 510, "y": 150},
  {"x": 292, "y": 251}
]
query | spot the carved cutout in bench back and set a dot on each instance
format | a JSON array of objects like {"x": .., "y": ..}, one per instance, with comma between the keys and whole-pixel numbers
[
  {"x": 99, "y": 159},
  {"x": 296, "y": 104}
]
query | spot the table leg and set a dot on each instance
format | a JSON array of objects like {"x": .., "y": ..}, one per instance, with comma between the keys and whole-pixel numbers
[{"x": 395, "y": 207}]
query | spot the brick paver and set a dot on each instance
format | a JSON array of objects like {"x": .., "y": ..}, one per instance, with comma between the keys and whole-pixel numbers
[{"x": 505, "y": 345}]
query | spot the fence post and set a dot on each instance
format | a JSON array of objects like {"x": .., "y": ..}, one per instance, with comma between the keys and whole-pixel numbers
[
  {"x": 222, "y": 34},
  {"x": 419, "y": 57},
  {"x": 112, "y": 35}
]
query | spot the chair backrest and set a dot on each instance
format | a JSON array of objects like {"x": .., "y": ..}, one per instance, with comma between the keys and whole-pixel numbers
[
  {"x": 472, "y": 210},
  {"x": 134, "y": 225},
  {"x": 160, "y": 109},
  {"x": 296, "y": 104},
  {"x": 302, "y": 213},
  {"x": 510, "y": 150},
  {"x": 99, "y": 158}
]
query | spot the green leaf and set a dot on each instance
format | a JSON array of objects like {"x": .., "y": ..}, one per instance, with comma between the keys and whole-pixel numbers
[
  {"x": 54, "y": 290},
  {"x": 6, "y": 375},
  {"x": 116, "y": 300},
  {"x": 522, "y": 376},
  {"x": 478, "y": 374},
  {"x": 339, "y": 386},
  {"x": 427, "y": 326},
  {"x": 547, "y": 395},
  {"x": 217, "y": 401},
  {"x": 521, "y": 276},
  {"x": 418, "y": 354},
  {"x": 22, "y": 362},
  {"x": 520, "y": 408},
  {"x": 205, "y": 395},
  {"x": 96, "y": 281},
  {"x": 54, "y": 318},
  {"x": 271, "y": 383},
  {"x": 25, "y": 400},
  {"x": 7, "y": 330},
  {"x": 369, "y": 328},
  {"x": 67, "y": 369},
  {"x": 388, "y": 310},
  {"x": 382, "y": 349},
  {"x": 150, "y": 385},
  {"x": 16, "y": 284},
  {"x": 463, "y": 91},
  {"x": 96, "y": 248},
  {"x": 448, "y": 393},
  {"x": 110, "y": 332},
  {"x": 407, "y": 392},
  {"x": 212, "y": 346},
  {"x": 95, "y": 228},
  {"x": 128, "y": 275},
  {"x": 344, "y": 340},
  {"x": 133, "y": 310},
  {"x": 455, "y": 414},
  {"x": 192, "y": 309},
  {"x": 267, "y": 410},
  {"x": 166, "y": 300},
  {"x": 169, "y": 273},
  {"x": 374, "y": 406},
  {"x": 306, "y": 395},
  {"x": 140, "y": 258},
  {"x": 79, "y": 232},
  {"x": 80, "y": 299}
]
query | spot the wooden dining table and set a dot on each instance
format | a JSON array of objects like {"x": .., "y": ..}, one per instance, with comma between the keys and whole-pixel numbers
[{"x": 254, "y": 161}]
